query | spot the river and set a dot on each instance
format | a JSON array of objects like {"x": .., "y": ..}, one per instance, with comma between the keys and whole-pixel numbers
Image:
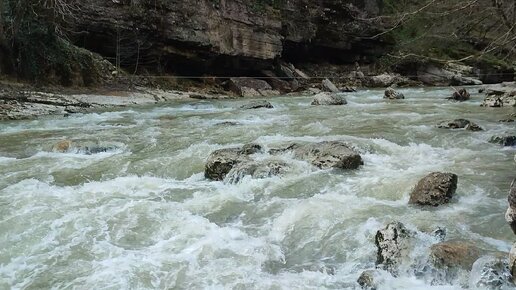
[{"x": 142, "y": 215}]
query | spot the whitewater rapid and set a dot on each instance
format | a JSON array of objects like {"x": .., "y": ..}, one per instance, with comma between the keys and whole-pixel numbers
[{"x": 142, "y": 216}]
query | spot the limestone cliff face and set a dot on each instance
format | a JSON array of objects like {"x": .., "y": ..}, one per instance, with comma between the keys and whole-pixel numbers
[{"x": 197, "y": 36}]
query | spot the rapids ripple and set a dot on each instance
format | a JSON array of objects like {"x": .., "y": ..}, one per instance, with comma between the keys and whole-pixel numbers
[{"x": 143, "y": 216}]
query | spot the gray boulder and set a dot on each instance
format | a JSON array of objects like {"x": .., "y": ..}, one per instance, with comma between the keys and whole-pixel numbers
[
  {"x": 332, "y": 154},
  {"x": 392, "y": 94},
  {"x": 500, "y": 98},
  {"x": 460, "y": 124},
  {"x": 220, "y": 162},
  {"x": 328, "y": 99},
  {"x": 328, "y": 86},
  {"x": 257, "y": 105},
  {"x": 504, "y": 140},
  {"x": 393, "y": 243},
  {"x": 434, "y": 189}
]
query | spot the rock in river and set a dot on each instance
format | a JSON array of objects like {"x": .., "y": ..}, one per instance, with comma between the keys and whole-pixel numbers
[
  {"x": 220, "y": 162},
  {"x": 434, "y": 189},
  {"x": 328, "y": 99},
  {"x": 454, "y": 254},
  {"x": 392, "y": 94},
  {"x": 257, "y": 105},
  {"x": 504, "y": 140},
  {"x": 460, "y": 95},
  {"x": 461, "y": 124},
  {"x": 332, "y": 154},
  {"x": 393, "y": 244},
  {"x": 510, "y": 215}
]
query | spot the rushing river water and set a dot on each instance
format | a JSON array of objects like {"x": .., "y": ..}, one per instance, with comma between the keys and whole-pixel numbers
[{"x": 142, "y": 216}]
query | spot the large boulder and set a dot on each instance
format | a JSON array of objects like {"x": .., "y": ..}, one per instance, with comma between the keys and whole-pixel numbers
[
  {"x": 386, "y": 80},
  {"x": 504, "y": 140},
  {"x": 257, "y": 105},
  {"x": 328, "y": 99},
  {"x": 434, "y": 189},
  {"x": 332, "y": 154},
  {"x": 454, "y": 254},
  {"x": 392, "y": 94},
  {"x": 500, "y": 98},
  {"x": 510, "y": 215},
  {"x": 220, "y": 162},
  {"x": 393, "y": 244},
  {"x": 460, "y": 95},
  {"x": 328, "y": 86},
  {"x": 460, "y": 124}
]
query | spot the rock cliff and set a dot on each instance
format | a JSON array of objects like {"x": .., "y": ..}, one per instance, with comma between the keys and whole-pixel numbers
[{"x": 228, "y": 36}]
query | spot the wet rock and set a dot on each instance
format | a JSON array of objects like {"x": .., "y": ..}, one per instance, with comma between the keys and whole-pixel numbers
[
  {"x": 256, "y": 169},
  {"x": 500, "y": 98},
  {"x": 504, "y": 141},
  {"x": 454, "y": 254},
  {"x": 332, "y": 154},
  {"x": 393, "y": 244},
  {"x": 491, "y": 272},
  {"x": 460, "y": 95},
  {"x": 328, "y": 86},
  {"x": 251, "y": 148},
  {"x": 95, "y": 149},
  {"x": 512, "y": 263},
  {"x": 434, "y": 189},
  {"x": 461, "y": 124},
  {"x": 492, "y": 101},
  {"x": 510, "y": 215},
  {"x": 506, "y": 121},
  {"x": 440, "y": 233},
  {"x": 257, "y": 105},
  {"x": 62, "y": 146},
  {"x": 392, "y": 94},
  {"x": 370, "y": 279},
  {"x": 227, "y": 124},
  {"x": 328, "y": 99},
  {"x": 220, "y": 162}
]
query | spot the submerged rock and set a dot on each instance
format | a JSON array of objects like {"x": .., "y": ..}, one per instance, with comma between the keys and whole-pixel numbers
[
  {"x": 328, "y": 99},
  {"x": 490, "y": 272},
  {"x": 392, "y": 94},
  {"x": 434, "y": 189},
  {"x": 504, "y": 141},
  {"x": 461, "y": 124},
  {"x": 370, "y": 279},
  {"x": 460, "y": 95},
  {"x": 257, "y": 105},
  {"x": 62, "y": 146},
  {"x": 393, "y": 244}
]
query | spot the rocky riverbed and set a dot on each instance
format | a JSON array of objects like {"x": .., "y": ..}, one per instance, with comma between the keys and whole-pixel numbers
[{"x": 168, "y": 191}]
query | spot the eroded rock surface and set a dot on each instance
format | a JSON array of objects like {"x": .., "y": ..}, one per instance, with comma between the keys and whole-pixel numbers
[
  {"x": 434, "y": 189},
  {"x": 328, "y": 99},
  {"x": 393, "y": 243},
  {"x": 460, "y": 124}
]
